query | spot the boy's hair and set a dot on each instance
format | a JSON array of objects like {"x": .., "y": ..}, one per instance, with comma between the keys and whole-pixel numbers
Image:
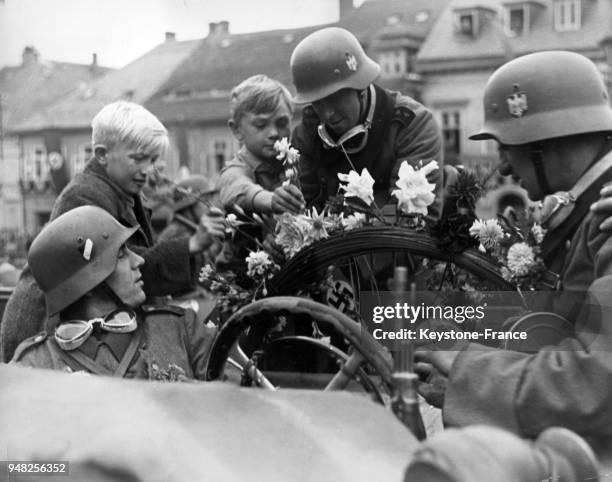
[
  {"x": 258, "y": 94},
  {"x": 129, "y": 123}
]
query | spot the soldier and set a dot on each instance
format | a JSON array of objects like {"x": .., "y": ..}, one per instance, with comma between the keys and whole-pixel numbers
[
  {"x": 190, "y": 201},
  {"x": 351, "y": 123},
  {"x": 93, "y": 287},
  {"x": 550, "y": 113},
  {"x": 126, "y": 140}
]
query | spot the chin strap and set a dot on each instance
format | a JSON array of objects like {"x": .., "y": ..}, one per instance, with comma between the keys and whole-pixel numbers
[
  {"x": 538, "y": 164},
  {"x": 557, "y": 207}
]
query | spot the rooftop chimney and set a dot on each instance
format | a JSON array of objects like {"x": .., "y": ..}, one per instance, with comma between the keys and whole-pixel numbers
[
  {"x": 170, "y": 36},
  {"x": 216, "y": 28},
  {"x": 346, "y": 6},
  {"x": 223, "y": 26},
  {"x": 94, "y": 63},
  {"x": 29, "y": 55}
]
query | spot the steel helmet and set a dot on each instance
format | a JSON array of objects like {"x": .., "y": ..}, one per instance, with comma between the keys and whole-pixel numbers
[
  {"x": 327, "y": 61},
  {"x": 74, "y": 253},
  {"x": 189, "y": 189},
  {"x": 545, "y": 95}
]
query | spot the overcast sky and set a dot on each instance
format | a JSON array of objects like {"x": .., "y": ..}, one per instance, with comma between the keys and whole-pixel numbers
[{"x": 121, "y": 30}]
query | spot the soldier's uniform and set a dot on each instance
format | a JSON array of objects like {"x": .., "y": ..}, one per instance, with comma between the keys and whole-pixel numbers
[
  {"x": 402, "y": 130},
  {"x": 169, "y": 343},
  {"x": 568, "y": 385}
]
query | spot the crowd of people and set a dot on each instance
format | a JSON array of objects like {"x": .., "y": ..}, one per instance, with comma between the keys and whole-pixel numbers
[{"x": 89, "y": 297}]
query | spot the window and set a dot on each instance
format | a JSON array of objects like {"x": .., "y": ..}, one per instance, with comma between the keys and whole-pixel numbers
[
  {"x": 567, "y": 15},
  {"x": 467, "y": 24},
  {"x": 451, "y": 134},
  {"x": 515, "y": 21},
  {"x": 80, "y": 159},
  {"x": 35, "y": 167},
  {"x": 393, "y": 63},
  {"x": 220, "y": 153}
]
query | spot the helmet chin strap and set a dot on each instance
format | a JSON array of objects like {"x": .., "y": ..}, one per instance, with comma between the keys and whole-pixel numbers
[{"x": 538, "y": 163}]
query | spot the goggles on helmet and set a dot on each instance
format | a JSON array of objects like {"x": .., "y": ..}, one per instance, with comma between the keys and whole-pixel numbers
[
  {"x": 356, "y": 138},
  {"x": 70, "y": 335}
]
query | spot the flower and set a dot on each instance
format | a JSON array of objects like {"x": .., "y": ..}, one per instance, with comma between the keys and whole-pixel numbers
[
  {"x": 232, "y": 219},
  {"x": 538, "y": 233},
  {"x": 206, "y": 273},
  {"x": 282, "y": 146},
  {"x": 258, "y": 263},
  {"x": 289, "y": 155},
  {"x": 520, "y": 259},
  {"x": 291, "y": 233},
  {"x": 353, "y": 221},
  {"x": 318, "y": 226},
  {"x": 488, "y": 232},
  {"x": 415, "y": 193},
  {"x": 361, "y": 186}
]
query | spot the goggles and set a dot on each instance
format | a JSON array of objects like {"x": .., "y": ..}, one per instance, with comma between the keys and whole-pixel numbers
[
  {"x": 355, "y": 139},
  {"x": 70, "y": 335}
]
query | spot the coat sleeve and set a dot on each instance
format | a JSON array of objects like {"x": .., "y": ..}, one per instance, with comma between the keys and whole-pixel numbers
[
  {"x": 200, "y": 337},
  {"x": 237, "y": 187},
  {"x": 168, "y": 268},
  {"x": 566, "y": 385}
]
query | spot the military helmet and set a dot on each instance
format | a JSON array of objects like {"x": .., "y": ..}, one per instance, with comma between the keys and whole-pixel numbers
[
  {"x": 545, "y": 95},
  {"x": 327, "y": 61},
  {"x": 190, "y": 189},
  {"x": 74, "y": 253}
]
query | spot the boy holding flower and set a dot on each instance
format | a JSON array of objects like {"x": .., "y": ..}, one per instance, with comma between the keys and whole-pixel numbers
[{"x": 254, "y": 182}]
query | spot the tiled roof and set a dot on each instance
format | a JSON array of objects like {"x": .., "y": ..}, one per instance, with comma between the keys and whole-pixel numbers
[
  {"x": 444, "y": 48},
  {"x": 137, "y": 81},
  {"x": 29, "y": 88}
]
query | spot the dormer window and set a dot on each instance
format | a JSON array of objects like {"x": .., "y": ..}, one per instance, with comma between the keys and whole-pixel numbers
[
  {"x": 567, "y": 15},
  {"x": 393, "y": 63},
  {"x": 515, "y": 20},
  {"x": 467, "y": 24}
]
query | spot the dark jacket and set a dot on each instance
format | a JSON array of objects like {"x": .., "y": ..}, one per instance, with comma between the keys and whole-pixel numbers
[
  {"x": 402, "y": 130},
  {"x": 567, "y": 385},
  {"x": 171, "y": 341},
  {"x": 167, "y": 268}
]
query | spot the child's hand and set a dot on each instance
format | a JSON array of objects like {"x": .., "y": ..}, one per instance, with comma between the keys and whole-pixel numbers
[
  {"x": 287, "y": 199},
  {"x": 211, "y": 229}
]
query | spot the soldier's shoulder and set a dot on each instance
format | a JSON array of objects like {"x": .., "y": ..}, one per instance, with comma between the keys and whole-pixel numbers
[
  {"x": 166, "y": 310},
  {"x": 29, "y": 344},
  {"x": 403, "y": 114}
]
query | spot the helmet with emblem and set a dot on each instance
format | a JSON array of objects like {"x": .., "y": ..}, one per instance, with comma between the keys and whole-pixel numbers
[
  {"x": 545, "y": 95},
  {"x": 74, "y": 253},
  {"x": 327, "y": 61},
  {"x": 191, "y": 189}
]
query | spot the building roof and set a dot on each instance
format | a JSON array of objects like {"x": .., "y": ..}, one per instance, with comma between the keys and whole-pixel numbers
[
  {"x": 445, "y": 49},
  {"x": 138, "y": 81},
  {"x": 373, "y": 17},
  {"x": 29, "y": 88},
  {"x": 199, "y": 89}
]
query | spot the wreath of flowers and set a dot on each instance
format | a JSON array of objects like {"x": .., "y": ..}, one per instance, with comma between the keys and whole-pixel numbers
[{"x": 515, "y": 246}]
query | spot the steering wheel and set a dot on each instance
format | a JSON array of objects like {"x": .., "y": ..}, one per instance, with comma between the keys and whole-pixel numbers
[{"x": 366, "y": 348}]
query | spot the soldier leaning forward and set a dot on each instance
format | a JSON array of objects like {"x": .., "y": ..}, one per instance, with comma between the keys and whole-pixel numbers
[{"x": 93, "y": 289}]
